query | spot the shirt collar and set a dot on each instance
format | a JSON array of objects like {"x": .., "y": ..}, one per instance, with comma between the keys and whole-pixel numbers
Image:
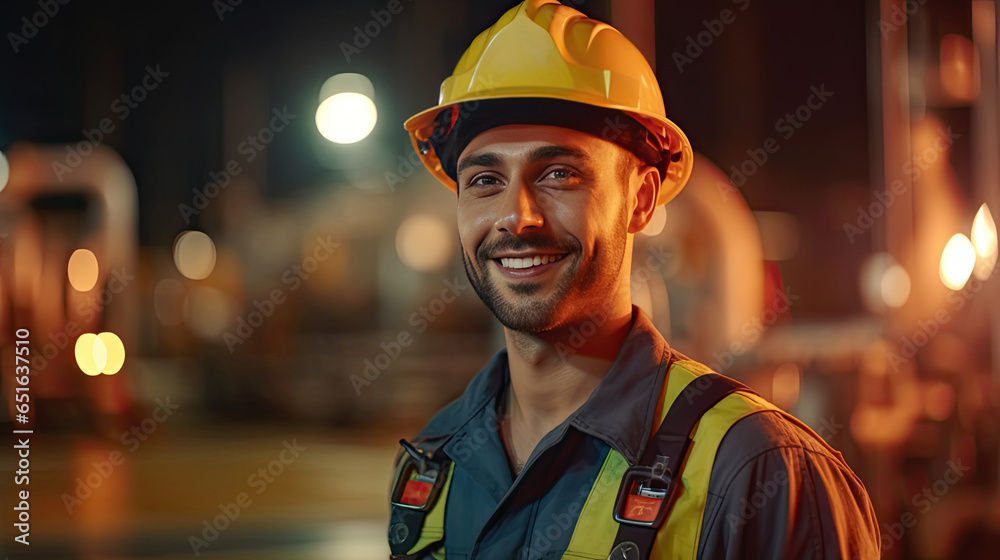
[{"x": 618, "y": 412}]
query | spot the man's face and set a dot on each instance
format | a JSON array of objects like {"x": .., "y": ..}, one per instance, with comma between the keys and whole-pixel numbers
[{"x": 542, "y": 218}]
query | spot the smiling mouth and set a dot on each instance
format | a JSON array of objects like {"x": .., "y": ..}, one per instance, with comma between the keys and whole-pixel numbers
[{"x": 515, "y": 263}]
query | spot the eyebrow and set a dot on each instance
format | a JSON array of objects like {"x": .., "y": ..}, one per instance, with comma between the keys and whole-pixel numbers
[{"x": 488, "y": 159}]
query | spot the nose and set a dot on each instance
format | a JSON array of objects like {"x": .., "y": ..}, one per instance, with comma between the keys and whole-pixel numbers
[{"x": 519, "y": 208}]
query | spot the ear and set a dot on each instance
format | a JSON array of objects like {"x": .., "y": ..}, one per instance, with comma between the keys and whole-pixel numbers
[{"x": 648, "y": 179}]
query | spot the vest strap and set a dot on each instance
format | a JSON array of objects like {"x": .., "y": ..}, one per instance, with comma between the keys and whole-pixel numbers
[{"x": 649, "y": 488}]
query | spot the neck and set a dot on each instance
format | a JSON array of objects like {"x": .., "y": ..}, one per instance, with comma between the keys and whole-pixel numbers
[{"x": 553, "y": 373}]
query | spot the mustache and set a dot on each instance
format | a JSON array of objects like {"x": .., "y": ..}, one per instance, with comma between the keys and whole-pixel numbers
[{"x": 514, "y": 243}]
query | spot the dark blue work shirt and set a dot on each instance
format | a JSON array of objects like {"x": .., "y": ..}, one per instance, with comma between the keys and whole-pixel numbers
[{"x": 824, "y": 512}]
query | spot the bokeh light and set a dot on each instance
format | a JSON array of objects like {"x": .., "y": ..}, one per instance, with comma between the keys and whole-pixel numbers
[
  {"x": 884, "y": 283},
  {"x": 957, "y": 261},
  {"x": 4, "y": 171},
  {"x": 100, "y": 353},
  {"x": 984, "y": 241},
  {"x": 91, "y": 354},
  {"x": 895, "y": 286},
  {"x": 114, "y": 352},
  {"x": 346, "y": 118},
  {"x": 194, "y": 254},
  {"x": 423, "y": 242},
  {"x": 82, "y": 270}
]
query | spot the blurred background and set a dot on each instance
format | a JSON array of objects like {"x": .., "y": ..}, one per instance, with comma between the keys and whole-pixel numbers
[{"x": 215, "y": 238}]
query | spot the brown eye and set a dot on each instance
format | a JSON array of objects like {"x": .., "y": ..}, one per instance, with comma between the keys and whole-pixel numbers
[
  {"x": 562, "y": 175},
  {"x": 485, "y": 180}
]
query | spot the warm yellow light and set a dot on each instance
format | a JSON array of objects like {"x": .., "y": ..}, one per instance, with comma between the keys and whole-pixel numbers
[
  {"x": 984, "y": 241},
  {"x": 657, "y": 222},
  {"x": 114, "y": 352},
  {"x": 82, "y": 270},
  {"x": 895, "y": 286},
  {"x": 884, "y": 283},
  {"x": 423, "y": 242},
  {"x": 194, "y": 254},
  {"x": 346, "y": 117},
  {"x": 957, "y": 262},
  {"x": 4, "y": 171},
  {"x": 100, "y": 352},
  {"x": 91, "y": 354}
]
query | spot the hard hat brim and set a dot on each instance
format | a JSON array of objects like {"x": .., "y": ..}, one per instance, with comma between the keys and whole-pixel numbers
[{"x": 421, "y": 126}]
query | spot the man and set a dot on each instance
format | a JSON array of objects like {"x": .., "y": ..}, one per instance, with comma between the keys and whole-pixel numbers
[{"x": 588, "y": 436}]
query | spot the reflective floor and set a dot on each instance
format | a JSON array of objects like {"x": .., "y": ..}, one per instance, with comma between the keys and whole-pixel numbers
[{"x": 212, "y": 492}]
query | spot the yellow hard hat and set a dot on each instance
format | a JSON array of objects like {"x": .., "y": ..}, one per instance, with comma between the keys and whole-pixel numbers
[{"x": 550, "y": 53}]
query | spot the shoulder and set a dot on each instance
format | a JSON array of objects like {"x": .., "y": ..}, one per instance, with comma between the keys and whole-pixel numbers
[
  {"x": 776, "y": 483},
  {"x": 753, "y": 430},
  {"x": 769, "y": 434}
]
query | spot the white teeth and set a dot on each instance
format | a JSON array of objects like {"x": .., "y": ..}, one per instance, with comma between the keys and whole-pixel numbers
[{"x": 528, "y": 262}]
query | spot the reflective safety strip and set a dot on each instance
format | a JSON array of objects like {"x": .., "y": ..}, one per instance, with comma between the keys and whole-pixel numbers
[
  {"x": 595, "y": 530},
  {"x": 678, "y": 538},
  {"x": 433, "y": 529}
]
